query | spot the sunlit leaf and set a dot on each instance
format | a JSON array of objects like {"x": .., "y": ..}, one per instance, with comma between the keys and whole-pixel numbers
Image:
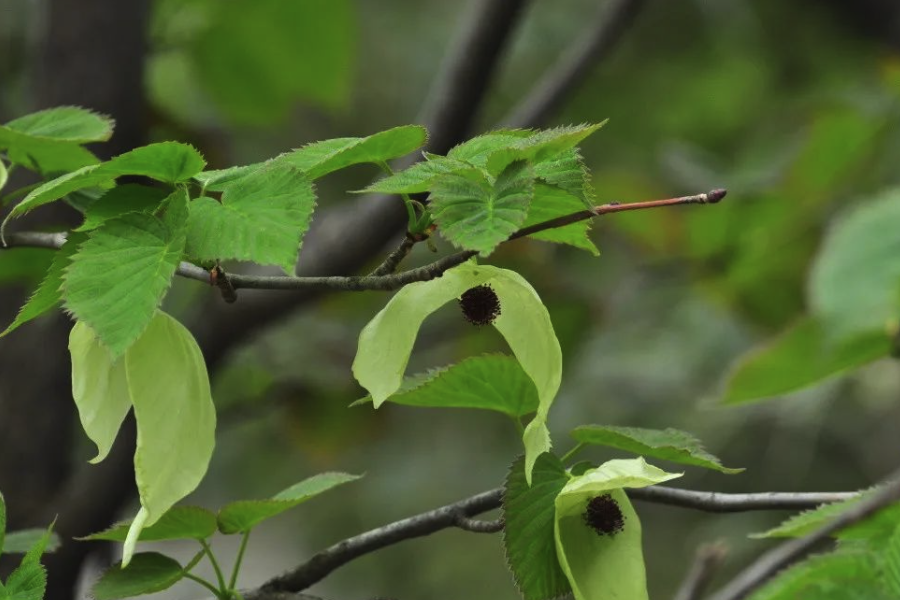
[
  {"x": 148, "y": 572},
  {"x": 243, "y": 515},
  {"x": 118, "y": 277},
  {"x": 604, "y": 564},
  {"x": 475, "y": 214},
  {"x": 178, "y": 523},
  {"x": 668, "y": 444},
  {"x": 261, "y": 218},
  {"x": 386, "y": 342},
  {"x": 175, "y": 416},
  {"x": 528, "y": 517},
  {"x": 420, "y": 177},
  {"x": 64, "y": 124},
  {"x": 542, "y": 145},
  {"x": 99, "y": 388},
  {"x": 492, "y": 382},
  {"x": 550, "y": 202},
  {"x": 120, "y": 200}
]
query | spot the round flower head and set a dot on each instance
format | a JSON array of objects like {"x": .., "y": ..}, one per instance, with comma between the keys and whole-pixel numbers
[
  {"x": 604, "y": 516},
  {"x": 480, "y": 305}
]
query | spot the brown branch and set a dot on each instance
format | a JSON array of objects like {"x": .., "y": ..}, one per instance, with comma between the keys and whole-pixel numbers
[
  {"x": 770, "y": 563},
  {"x": 394, "y": 259},
  {"x": 459, "y": 514},
  {"x": 383, "y": 283},
  {"x": 573, "y": 67}
]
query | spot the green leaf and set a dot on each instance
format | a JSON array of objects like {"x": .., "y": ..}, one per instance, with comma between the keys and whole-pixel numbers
[
  {"x": 64, "y": 123},
  {"x": 170, "y": 162},
  {"x": 876, "y": 528},
  {"x": 321, "y": 158},
  {"x": 178, "y": 523},
  {"x": 835, "y": 576},
  {"x": 243, "y": 515},
  {"x": 611, "y": 565},
  {"x": 387, "y": 341},
  {"x": 21, "y": 541},
  {"x": 528, "y": 516},
  {"x": 853, "y": 285},
  {"x": 99, "y": 388},
  {"x": 48, "y": 157},
  {"x": 120, "y": 200},
  {"x": 892, "y": 563},
  {"x": 568, "y": 172},
  {"x": 475, "y": 214},
  {"x": 48, "y": 294},
  {"x": 492, "y": 382},
  {"x": 262, "y": 217},
  {"x": 256, "y": 64},
  {"x": 120, "y": 275},
  {"x": 175, "y": 416},
  {"x": 669, "y": 444},
  {"x": 802, "y": 356},
  {"x": 542, "y": 145},
  {"x": 550, "y": 202},
  {"x": 147, "y": 573},
  {"x": 420, "y": 177},
  {"x": 29, "y": 580},
  {"x": 477, "y": 149}
]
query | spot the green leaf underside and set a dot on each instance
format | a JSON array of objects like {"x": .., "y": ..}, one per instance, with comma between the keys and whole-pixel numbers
[
  {"x": 492, "y": 382},
  {"x": 120, "y": 200},
  {"x": 48, "y": 294},
  {"x": 550, "y": 202},
  {"x": 262, "y": 218},
  {"x": 802, "y": 356},
  {"x": 321, "y": 158},
  {"x": 420, "y": 177},
  {"x": 669, "y": 444},
  {"x": 476, "y": 215},
  {"x": 528, "y": 539},
  {"x": 567, "y": 172},
  {"x": 120, "y": 275},
  {"x": 174, "y": 411},
  {"x": 540, "y": 146},
  {"x": 21, "y": 541},
  {"x": 853, "y": 283},
  {"x": 877, "y": 527},
  {"x": 169, "y": 162},
  {"x": 64, "y": 124},
  {"x": 243, "y": 515},
  {"x": 147, "y": 573},
  {"x": 178, "y": 523},
  {"x": 604, "y": 566},
  {"x": 99, "y": 388},
  {"x": 835, "y": 576},
  {"x": 386, "y": 342}
]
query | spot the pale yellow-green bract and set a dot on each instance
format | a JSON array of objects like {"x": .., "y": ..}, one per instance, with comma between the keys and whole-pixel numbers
[
  {"x": 386, "y": 342},
  {"x": 163, "y": 377},
  {"x": 604, "y": 567}
]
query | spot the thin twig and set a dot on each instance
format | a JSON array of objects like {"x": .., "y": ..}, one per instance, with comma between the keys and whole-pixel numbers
[
  {"x": 477, "y": 525},
  {"x": 575, "y": 64},
  {"x": 706, "y": 562},
  {"x": 394, "y": 259},
  {"x": 384, "y": 283},
  {"x": 330, "y": 559},
  {"x": 770, "y": 563}
]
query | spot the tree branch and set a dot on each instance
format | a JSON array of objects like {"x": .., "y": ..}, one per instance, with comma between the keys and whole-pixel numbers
[
  {"x": 575, "y": 64},
  {"x": 459, "y": 515},
  {"x": 769, "y": 564},
  {"x": 706, "y": 561},
  {"x": 386, "y": 282}
]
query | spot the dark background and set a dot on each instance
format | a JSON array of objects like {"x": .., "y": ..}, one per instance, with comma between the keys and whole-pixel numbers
[{"x": 793, "y": 106}]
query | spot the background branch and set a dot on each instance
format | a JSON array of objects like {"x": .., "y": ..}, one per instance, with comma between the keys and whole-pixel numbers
[
  {"x": 769, "y": 564},
  {"x": 459, "y": 515},
  {"x": 706, "y": 561}
]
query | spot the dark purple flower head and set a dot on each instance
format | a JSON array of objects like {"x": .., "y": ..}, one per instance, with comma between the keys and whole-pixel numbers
[
  {"x": 480, "y": 305},
  {"x": 604, "y": 516}
]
